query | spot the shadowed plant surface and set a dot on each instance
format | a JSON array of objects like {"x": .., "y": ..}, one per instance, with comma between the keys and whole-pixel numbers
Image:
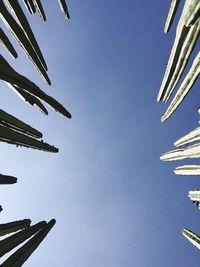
[{"x": 15, "y": 131}]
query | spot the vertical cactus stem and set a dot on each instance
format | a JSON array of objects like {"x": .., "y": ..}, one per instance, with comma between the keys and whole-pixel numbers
[
  {"x": 30, "y": 6},
  {"x": 187, "y": 170},
  {"x": 22, "y": 20},
  {"x": 40, "y": 10},
  {"x": 186, "y": 51},
  {"x": 63, "y": 7},
  {"x": 192, "y": 151},
  {"x": 184, "y": 88},
  {"x": 181, "y": 33},
  {"x": 192, "y": 237},
  {"x": 5, "y": 179},
  {"x": 194, "y": 195},
  {"x": 171, "y": 14},
  {"x": 11, "y": 227},
  {"x": 21, "y": 38},
  {"x": 192, "y": 136},
  {"x": 17, "y": 138},
  {"x": 12, "y": 121},
  {"x": 9, "y": 243},
  {"x": 23, "y": 253},
  {"x": 9, "y": 75},
  {"x": 7, "y": 44},
  {"x": 193, "y": 14},
  {"x": 32, "y": 100},
  {"x": 26, "y": 3}
]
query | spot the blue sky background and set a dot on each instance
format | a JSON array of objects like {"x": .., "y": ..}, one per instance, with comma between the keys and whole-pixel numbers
[{"x": 116, "y": 204}]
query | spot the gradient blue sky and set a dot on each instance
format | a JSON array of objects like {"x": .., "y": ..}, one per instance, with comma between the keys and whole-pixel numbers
[{"x": 116, "y": 204}]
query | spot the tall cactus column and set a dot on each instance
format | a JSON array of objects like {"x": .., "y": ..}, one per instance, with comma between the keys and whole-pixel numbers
[{"x": 187, "y": 34}]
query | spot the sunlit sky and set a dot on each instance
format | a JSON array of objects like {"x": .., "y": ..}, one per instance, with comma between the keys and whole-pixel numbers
[{"x": 116, "y": 204}]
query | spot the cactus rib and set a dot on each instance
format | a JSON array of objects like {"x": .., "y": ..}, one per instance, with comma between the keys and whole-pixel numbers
[
  {"x": 7, "y": 44},
  {"x": 171, "y": 14},
  {"x": 184, "y": 88}
]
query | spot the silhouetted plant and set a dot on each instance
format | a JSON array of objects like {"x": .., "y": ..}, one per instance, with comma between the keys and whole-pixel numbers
[{"x": 15, "y": 131}]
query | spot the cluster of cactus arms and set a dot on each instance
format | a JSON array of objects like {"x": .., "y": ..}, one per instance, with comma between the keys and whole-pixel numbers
[
  {"x": 13, "y": 130},
  {"x": 187, "y": 33}
]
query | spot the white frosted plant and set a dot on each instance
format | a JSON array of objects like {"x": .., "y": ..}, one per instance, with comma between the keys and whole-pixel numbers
[{"x": 187, "y": 34}]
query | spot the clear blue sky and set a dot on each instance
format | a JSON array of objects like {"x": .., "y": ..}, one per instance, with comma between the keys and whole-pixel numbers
[{"x": 116, "y": 204}]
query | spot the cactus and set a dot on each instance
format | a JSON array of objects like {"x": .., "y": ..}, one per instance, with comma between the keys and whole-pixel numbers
[
  {"x": 188, "y": 138},
  {"x": 187, "y": 170},
  {"x": 193, "y": 12},
  {"x": 30, "y": 6},
  {"x": 192, "y": 151},
  {"x": 23, "y": 253},
  {"x": 7, "y": 44},
  {"x": 192, "y": 237},
  {"x": 183, "y": 44},
  {"x": 11, "y": 227},
  {"x": 185, "y": 87},
  {"x": 15, "y": 131},
  {"x": 13, "y": 137},
  {"x": 171, "y": 14},
  {"x": 5, "y": 179},
  {"x": 22, "y": 39},
  {"x": 185, "y": 53},
  {"x": 23, "y": 22},
  {"x": 32, "y": 100},
  {"x": 63, "y": 7},
  {"x": 12, "y": 122},
  {"x": 39, "y": 9},
  {"x": 7, "y": 244},
  {"x": 21, "y": 83}
]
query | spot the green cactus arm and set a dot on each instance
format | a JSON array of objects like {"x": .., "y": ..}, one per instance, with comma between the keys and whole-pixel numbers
[
  {"x": 187, "y": 170},
  {"x": 192, "y": 237},
  {"x": 192, "y": 151},
  {"x": 32, "y": 100},
  {"x": 7, "y": 44},
  {"x": 15, "y": 226},
  {"x": 171, "y": 14},
  {"x": 64, "y": 8},
  {"x": 30, "y": 6},
  {"x": 192, "y": 136},
  {"x": 7, "y": 244},
  {"x": 18, "y": 124},
  {"x": 39, "y": 9},
  {"x": 22, "y": 20},
  {"x": 184, "y": 88},
  {"x": 23, "y": 253},
  {"x": 6, "y": 179},
  {"x": 13, "y": 137},
  {"x": 185, "y": 53},
  {"x": 193, "y": 12},
  {"x": 181, "y": 33},
  {"x": 21, "y": 38}
]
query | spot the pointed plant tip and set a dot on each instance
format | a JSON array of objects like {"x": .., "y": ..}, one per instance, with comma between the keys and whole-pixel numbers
[
  {"x": 53, "y": 221},
  {"x": 166, "y": 30},
  {"x": 48, "y": 82},
  {"x": 163, "y": 118}
]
